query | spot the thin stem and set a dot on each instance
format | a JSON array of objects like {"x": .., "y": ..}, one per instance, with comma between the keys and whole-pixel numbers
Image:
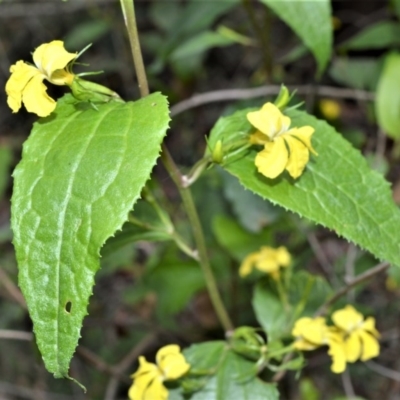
[
  {"x": 128, "y": 9},
  {"x": 130, "y": 21},
  {"x": 199, "y": 239}
]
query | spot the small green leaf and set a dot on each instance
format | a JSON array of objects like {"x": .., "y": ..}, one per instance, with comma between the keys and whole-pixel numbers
[
  {"x": 80, "y": 174},
  {"x": 200, "y": 43},
  {"x": 270, "y": 311},
  {"x": 387, "y": 103},
  {"x": 337, "y": 189},
  {"x": 378, "y": 36},
  {"x": 226, "y": 375},
  {"x": 311, "y": 20}
]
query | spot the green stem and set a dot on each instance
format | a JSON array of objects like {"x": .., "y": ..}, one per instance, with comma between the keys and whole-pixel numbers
[
  {"x": 130, "y": 22},
  {"x": 194, "y": 220},
  {"x": 128, "y": 9}
]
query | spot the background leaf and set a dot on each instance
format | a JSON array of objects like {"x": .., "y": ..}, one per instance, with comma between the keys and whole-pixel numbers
[
  {"x": 387, "y": 103},
  {"x": 270, "y": 311},
  {"x": 81, "y": 172},
  {"x": 337, "y": 189},
  {"x": 311, "y": 20},
  {"x": 378, "y": 36}
]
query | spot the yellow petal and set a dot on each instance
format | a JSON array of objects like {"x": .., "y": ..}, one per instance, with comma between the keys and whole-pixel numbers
[
  {"x": 304, "y": 345},
  {"x": 258, "y": 138},
  {"x": 268, "y": 265},
  {"x": 352, "y": 347},
  {"x": 283, "y": 256},
  {"x": 21, "y": 74},
  {"x": 298, "y": 156},
  {"x": 370, "y": 346},
  {"x": 347, "y": 318},
  {"x": 313, "y": 330},
  {"x": 50, "y": 57},
  {"x": 269, "y": 120},
  {"x": 146, "y": 368},
  {"x": 266, "y": 261},
  {"x": 247, "y": 264},
  {"x": 272, "y": 161},
  {"x": 148, "y": 388},
  {"x": 147, "y": 381},
  {"x": 36, "y": 99},
  {"x": 304, "y": 134},
  {"x": 62, "y": 77},
  {"x": 171, "y": 362},
  {"x": 369, "y": 326},
  {"x": 337, "y": 352}
]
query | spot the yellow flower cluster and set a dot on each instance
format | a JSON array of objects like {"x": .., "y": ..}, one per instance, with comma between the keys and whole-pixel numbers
[
  {"x": 350, "y": 339},
  {"x": 25, "y": 84},
  {"x": 284, "y": 148},
  {"x": 149, "y": 378},
  {"x": 266, "y": 260}
]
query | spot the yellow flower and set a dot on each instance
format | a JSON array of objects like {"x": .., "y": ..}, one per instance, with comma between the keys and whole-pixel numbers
[
  {"x": 149, "y": 378},
  {"x": 359, "y": 335},
  {"x": 26, "y": 81},
  {"x": 267, "y": 260},
  {"x": 284, "y": 148},
  {"x": 311, "y": 333},
  {"x": 350, "y": 339},
  {"x": 330, "y": 109}
]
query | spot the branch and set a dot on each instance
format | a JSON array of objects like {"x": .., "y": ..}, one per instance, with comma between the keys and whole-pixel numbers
[
  {"x": 241, "y": 94},
  {"x": 358, "y": 279}
]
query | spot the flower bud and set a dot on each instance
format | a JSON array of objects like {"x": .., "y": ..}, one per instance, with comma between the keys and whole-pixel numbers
[
  {"x": 93, "y": 92},
  {"x": 283, "y": 98}
]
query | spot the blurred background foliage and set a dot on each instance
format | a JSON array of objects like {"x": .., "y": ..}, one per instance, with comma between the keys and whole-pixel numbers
[{"x": 148, "y": 294}]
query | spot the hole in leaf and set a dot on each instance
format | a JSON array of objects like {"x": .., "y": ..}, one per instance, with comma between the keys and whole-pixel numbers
[{"x": 68, "y": 307}]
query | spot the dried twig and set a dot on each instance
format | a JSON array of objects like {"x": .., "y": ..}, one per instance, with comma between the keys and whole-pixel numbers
[
  {"x": 241, "y": 94},
  {"x": 358, "y": 279}
]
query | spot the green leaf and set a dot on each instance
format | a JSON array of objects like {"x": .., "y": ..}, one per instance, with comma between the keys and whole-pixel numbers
[
  {"x": 359, "y": 73},
  {"x": 311, "y": 21},
  {"x": 337, "y": 189},
  {"x": 226, "y": 375},
  {"x": 174, "y": 294},
  {"x": 200, "y": 43},
  {"x": 308, "y": 290},
  {"x": 387, "y": 103},
  {"x": 308, "y": 390},
  {"x": 81, "y": 172},
  {"x": 378, "y": 36},
  {"x": 270, "y": 311}
]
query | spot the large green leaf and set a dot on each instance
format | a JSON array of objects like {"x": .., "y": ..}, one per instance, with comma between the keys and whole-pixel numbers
[
  {"x": 337, "y": 189},
  {"x": 229, "y": 375},
  {"x": 81, "y": 172},
  {"x": 311, "y": 20},
  {"x": 387, "y": 103}
]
